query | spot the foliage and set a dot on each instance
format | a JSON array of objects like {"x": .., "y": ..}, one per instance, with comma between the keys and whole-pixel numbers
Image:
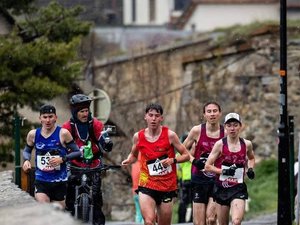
[
  {"x": 263, "y": 189},
  {"x": 56, "y": 23},
  {"x": 39, "y": 56},
  {"x": 18, "y": 7},
  {"x": 240, "y": 32}
]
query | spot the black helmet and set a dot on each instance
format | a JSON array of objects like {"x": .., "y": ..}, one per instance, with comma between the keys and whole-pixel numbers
[{"x": 80, "y": 99}]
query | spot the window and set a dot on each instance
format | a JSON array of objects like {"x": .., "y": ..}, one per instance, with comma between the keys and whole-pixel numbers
[
  {"x": 133, "y": 6},
  {"x": 152, "y": 11},
  {"x": 181, "y": 4}
]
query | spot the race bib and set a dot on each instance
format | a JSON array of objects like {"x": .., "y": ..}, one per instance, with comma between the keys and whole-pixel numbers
[
  {"x": 157, "y": 169},
  {"x": 43, "y": 162},
  {"x": 237, "y": 178}
]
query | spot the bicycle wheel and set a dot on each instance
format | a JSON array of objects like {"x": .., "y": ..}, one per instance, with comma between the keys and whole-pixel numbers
[{"x": 84, "y": 204}]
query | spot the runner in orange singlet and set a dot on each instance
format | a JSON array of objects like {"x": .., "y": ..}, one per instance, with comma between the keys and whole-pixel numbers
[{"x": 158, "y": 180}]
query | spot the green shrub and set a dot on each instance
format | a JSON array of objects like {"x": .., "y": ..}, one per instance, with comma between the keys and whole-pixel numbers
[{"x": 263, "y": 189}]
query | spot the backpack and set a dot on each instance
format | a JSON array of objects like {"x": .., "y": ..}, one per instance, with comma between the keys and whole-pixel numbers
[{"x": 92, "y": 136}]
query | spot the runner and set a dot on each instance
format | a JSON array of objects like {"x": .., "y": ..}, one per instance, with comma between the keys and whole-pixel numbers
[
  {"x": 204, "y": 136},
  {"x": 230, "y": 158},
  {"x": 51, "y": 143},
  {"x": 158, "y": 182}
]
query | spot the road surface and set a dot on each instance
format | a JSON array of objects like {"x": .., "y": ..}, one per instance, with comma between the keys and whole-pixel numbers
[{"x": 262, "y": 220}]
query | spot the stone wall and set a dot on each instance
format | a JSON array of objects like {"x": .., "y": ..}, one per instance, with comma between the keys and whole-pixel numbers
[
  {"x": 18, "y": 207},
  {"x": 242, "y": 75}
]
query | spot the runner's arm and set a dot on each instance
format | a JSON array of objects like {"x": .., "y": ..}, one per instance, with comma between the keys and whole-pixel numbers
[
  {"x": 67, "y": 141},
  {"x": 184, "y": 154},
  {"x": 131, "y": 158},
  {"x": 191, "y": 141},
  {"x": 250, "y": 154},
  {"x": 28, "y": 149},
  {"x": 215, "y": 153}
]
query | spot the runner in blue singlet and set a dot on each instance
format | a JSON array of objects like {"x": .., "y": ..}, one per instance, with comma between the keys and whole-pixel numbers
[{"x": 51, "y": 144}]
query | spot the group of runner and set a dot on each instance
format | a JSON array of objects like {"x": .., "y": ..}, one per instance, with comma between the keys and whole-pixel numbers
[{"x": 220, "y": 158}]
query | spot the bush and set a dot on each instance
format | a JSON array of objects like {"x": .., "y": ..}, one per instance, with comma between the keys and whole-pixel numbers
[{"x": 263, "y": 189}]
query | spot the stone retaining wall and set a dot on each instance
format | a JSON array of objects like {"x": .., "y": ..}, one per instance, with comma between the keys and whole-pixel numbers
[{"x": 18, "y": 207}]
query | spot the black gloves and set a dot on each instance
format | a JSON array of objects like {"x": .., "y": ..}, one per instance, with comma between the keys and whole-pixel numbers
[
  {"x": 250, "y": 173},
  {"x": 108, "y": 146},
  {"x": 199, "y": 163},
  {"x": 230, "y": 171},
  {"x": 105, "y": 143}
]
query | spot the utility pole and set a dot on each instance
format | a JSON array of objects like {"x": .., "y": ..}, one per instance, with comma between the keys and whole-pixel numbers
[
  {"x": 284, "y": 199},
  {"x": 17, "y": 124},
  {"x": 292, "y": 161}
]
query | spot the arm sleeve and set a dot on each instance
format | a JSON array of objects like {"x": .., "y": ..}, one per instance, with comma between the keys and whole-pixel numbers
[
  {"x": 27, "y": 152},
  {"x": 72, "y": 146},
  {"x": 75, "y": 152},
  {"x": 73, "y": 155}
]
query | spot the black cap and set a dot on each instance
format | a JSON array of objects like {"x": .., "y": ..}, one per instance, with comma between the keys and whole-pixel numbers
[{"x": 47, "y": 109}]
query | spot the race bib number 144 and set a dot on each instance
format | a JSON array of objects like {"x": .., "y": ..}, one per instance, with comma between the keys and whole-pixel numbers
[{"x": 157, "y": 169}]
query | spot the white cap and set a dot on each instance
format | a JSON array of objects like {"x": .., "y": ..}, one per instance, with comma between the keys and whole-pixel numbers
[{"x": 233, "y": 116}]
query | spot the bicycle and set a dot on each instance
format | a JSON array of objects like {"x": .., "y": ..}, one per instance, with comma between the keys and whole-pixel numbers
[{"x": 84, "y": 204}]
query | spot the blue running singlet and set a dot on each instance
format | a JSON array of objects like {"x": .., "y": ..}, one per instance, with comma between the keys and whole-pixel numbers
[{"x": 46, "y": 148}]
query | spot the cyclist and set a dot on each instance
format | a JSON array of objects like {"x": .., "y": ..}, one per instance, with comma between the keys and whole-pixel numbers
[
  {"x": 50, "y": 142},
  {"x": 84, "y": 129}
]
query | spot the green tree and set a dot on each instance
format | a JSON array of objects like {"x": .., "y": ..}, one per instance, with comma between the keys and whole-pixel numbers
[{"x": 39, "y": 57}]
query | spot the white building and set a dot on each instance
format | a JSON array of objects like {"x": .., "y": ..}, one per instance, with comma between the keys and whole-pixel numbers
[
  {"x": 204, "y": 15},
  {"x": 208, "y": 14},
  {"x": 147, "y": 12}
]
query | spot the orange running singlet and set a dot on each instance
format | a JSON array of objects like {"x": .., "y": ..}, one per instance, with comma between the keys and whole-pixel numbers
[{"x": 153, "y": 175}]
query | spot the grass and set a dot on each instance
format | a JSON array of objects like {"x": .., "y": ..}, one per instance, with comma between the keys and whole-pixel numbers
[
  {"x": 175, "y": 213},
  {"x": 263, "y": 189},
  {"x": 243, "y": 31}
]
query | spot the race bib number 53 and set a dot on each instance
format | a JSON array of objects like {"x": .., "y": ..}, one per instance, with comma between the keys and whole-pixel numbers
[
  {"x": 157, "y": 169},
  {"x": 43, "y": 162}
]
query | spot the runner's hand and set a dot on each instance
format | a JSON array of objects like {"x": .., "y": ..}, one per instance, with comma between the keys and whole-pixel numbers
[
  {"x": 26, "y": 166},
  {"x": 250, "y": 173},
  {"x": 230, "y": 171},
  {"x": 199, "y": 163}
]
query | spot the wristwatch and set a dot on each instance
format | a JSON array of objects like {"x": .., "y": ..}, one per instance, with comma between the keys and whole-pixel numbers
[{"x": 64, "y": 158}]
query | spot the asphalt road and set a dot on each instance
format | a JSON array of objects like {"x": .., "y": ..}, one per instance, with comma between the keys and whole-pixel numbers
[{"x": 262, "y": 220}]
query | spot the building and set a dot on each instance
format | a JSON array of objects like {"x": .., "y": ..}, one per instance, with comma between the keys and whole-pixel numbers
[
  {"x": 151, "y": 12},
  {"x": 203, "y": 15},
  {"x": 206, "y": 15}
]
